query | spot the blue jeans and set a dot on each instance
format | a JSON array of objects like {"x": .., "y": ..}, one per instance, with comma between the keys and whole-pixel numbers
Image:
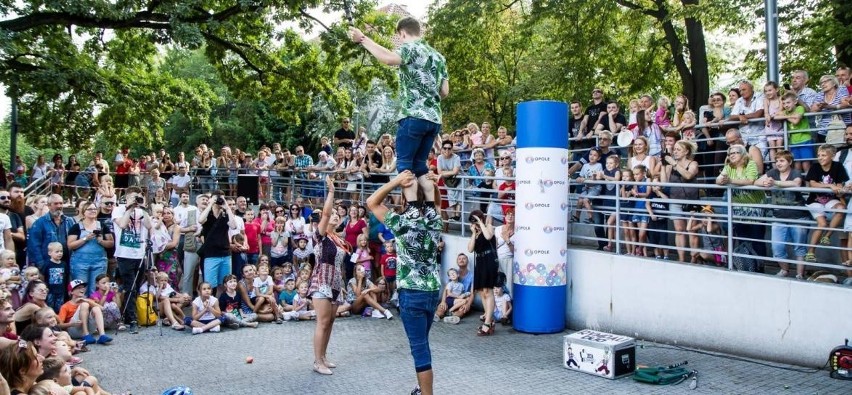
[
  {"x": 215, "y": 269},
  {"x": 87, "y": 270},
  {"x": 414, "y": 139},
  {"x": 783, "y": 234},
  {"x": 416, "y": 309}
]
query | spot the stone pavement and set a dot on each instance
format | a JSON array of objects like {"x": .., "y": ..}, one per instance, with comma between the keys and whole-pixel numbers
[{"x": 373, "y": 358}]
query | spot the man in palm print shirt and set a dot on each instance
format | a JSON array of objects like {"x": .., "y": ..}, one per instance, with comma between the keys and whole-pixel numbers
[{"x": 418, "y": 231}]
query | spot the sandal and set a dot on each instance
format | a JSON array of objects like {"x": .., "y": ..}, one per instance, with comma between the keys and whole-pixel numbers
[
  {"x": 810, "y": 257},
  {"x": 825, "y": 240},
  {"x": 846, "y": 263},
  {"x": 178, "y": 327},
  {"x": 322, "y": 369},
  {"x": 487, "y": 332}
]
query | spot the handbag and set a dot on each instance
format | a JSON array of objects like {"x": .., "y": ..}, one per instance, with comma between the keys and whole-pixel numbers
[
  {"x": 835, "y": 131},
  {"x": 745, "y": 263},
  {"x": 452, "y": 182}
]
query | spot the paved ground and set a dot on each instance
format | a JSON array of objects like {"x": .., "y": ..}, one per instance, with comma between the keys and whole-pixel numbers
[{"x": 373, "y": 358}]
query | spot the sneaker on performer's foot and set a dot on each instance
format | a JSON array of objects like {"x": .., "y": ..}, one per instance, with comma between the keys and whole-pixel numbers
[
  {"x": 451, "y": 319},
  {"x": 388, "y": 314},
  {"x": 416, "y": 390}
]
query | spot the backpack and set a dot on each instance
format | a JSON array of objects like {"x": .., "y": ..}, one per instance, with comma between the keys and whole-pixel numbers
[
  {"x": 145, "y": 314},
  {"x": 745, "y": 263}
]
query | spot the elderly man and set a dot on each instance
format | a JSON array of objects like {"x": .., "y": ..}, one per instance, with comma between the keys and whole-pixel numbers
[
  {"x": 53, "y": 226},
  {"x": 799, "y": 85},
  {"x": 748, "y": 107}
]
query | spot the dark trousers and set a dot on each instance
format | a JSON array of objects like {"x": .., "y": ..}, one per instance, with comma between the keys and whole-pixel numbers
[{"x": 131, "y": 278}]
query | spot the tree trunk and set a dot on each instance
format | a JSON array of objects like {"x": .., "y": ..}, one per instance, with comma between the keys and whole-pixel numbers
[
  {"x": 843, "y": 45},
  {"x": 700, "y": 80}
]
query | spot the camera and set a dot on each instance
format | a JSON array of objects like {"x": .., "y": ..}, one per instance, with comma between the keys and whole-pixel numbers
[
  {"x": 315, "y": 217},
  {"x": 220, "y": 200},
  {"x": 97, "y": 232},
  {"x": 113, "y": 285},
  {"x": 140, "y": 200}
]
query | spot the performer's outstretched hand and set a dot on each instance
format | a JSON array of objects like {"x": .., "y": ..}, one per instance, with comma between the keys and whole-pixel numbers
[{"x": 329, "y": 183}]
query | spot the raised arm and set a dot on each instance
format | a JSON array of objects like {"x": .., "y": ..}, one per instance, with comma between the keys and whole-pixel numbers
[
  {"x": 327, "y": 207},
  {"x": 381, "y": 53}
]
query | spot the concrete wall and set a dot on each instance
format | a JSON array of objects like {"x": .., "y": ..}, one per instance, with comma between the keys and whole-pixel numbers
[{"x": 743, "y": 314}]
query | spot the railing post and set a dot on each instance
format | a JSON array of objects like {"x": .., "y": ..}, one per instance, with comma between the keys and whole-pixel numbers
[
  {"x": 461, "y": 206},
  {"x": 617, "y": 218},
  {"x": 729, "y": 202}
]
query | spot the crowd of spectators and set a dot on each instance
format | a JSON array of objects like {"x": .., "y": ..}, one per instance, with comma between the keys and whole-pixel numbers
[{"x": 236, "y": 258}]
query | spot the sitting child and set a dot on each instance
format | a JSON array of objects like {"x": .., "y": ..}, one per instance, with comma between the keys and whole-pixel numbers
[
  {"x": 79, "y": 313},
  {"x": 302, "y": 309},
  {"x": 45, "y": 316},
  {"x": 264, "y": 288},
  {"x": 502, "y": 306},
  {"x": 206, "y": 316},
  {"x": 251, "y": 303},
  {"x": 362, "y": 256},
  {"x": 285, "y": 298},
  {"x": 57, "y": 371},
  {"x": 387, "y": 263},
  {"x": 453, "y": 290},
  {"x": 230, "y": 304},
  {"x": 169, "y": 303},
  {"x": 106, "y": 294}
]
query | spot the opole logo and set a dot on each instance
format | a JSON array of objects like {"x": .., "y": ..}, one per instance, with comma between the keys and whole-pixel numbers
[
  {"x": 529, "y": 205},
  {"x": 548, "y": 229},
  {"x": 534, "y": 159}
]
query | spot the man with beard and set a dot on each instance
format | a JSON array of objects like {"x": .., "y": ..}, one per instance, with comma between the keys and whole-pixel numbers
[
  {"x": 16, "y": 229},
  {"x": 242, "y": 206},
  {"x": 105, "y": 218},
  {"x": 53, "y": 226}
]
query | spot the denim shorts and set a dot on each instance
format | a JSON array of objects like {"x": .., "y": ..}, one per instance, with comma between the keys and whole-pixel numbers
[
  {"x": 417, "y": 309},
  {"x": 215, "y": 270}
]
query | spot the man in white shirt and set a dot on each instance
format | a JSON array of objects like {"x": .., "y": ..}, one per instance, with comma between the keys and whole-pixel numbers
[
  {"x": 179, "y": 183},
  {"x": 6, "y": 229},
  {"x": 799, "y": 84},
  {"x": 750, "y": 106},
  {"x": 132, "y": 227},
  {"x": 190, "y": 241}
]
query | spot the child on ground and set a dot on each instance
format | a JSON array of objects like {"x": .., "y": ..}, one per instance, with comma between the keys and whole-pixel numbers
[
  {"x": 239, "y": 246},
  {"x": 302, "y": 309},
  {"x": 640, "y": 192},
  {"x": 57, "y": 371},
  {"x": 288, "y": 271},
  {"x": 453, "y": 290},
  {"x": 657, "y": 224},
  {"x": 588, "y": 172},
  {"x": 388, "y": 267},
  {"x": 30, "y": 273},
  {"x": 799, "y": 136},
  {"x": 277, "y": 281},
  {"x": 170, "y": 302},
  {"x": 711, "y": 238},
  {"x": 106, "y": 295},
  {"x": 249, "y": 295},
  {"x": 46, "y": 317},
  {"x": 285, "y": 298},
  {"x": 502, "y": 305},
  {"x": 206, "y": 315},
  {"x": 265, "y": 289},
  {"x": 304, "y": 275},
  {"x": 362, "y": 255},
  {"x": 55, "y": 273},
  {"x": 80, "y": 313},
  {"x": 230, "y": 303}
]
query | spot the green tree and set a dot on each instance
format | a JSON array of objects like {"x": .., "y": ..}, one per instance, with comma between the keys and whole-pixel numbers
[{"x": 81, "y": 67}]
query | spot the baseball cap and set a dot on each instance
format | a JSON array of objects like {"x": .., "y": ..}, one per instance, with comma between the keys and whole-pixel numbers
[{"x": 76, "y": 283}]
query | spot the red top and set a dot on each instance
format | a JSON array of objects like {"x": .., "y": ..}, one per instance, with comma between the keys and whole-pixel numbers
[
  {"x": 352, "y": 231},
  {"x": 252, "y": 237}
]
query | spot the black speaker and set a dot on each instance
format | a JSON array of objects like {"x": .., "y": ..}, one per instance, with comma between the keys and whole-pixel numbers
[{"x": 248, "y": 186}]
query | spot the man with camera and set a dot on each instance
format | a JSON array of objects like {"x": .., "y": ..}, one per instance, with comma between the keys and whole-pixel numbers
[
  {"x": 216, "y": 219},
  {"x": 132, "y": 225}
]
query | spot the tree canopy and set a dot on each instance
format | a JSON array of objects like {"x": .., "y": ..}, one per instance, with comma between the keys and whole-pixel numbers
[{"x": 81, "y": 67}]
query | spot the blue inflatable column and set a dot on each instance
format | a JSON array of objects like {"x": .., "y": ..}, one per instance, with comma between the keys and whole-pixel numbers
[{"x": 541, "y": 217}]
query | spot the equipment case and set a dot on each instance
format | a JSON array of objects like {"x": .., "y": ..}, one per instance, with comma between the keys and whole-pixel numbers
[{"x": 599, "y": 353}]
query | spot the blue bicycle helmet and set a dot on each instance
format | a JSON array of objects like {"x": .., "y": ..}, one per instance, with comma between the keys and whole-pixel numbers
[{"x": 178, "y": 391}]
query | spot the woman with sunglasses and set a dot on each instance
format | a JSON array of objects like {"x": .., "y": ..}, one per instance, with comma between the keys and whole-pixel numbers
[{"x": 35, "y": 298}]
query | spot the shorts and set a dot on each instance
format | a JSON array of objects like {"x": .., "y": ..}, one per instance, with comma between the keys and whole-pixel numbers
[
  {"x": 656, "y": 234},
  {"x": 450, "y": 301},
  {"x": 640, "y": 219},
  {"x": 215, "y": 269},
  {"x": 803, "y": 150},
  {"x": 76, "y": 332},
  {"x": 390, "y": 279},
  {"x": 820, "y": 210}
]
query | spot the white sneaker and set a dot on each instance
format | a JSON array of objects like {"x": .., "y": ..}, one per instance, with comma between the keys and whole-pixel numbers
[
  {"x": 451, "y": 319},
  {"x": 388, "y": 314},
  {"x": 197, "y": 331},
  {"x": 377, "y": 314},
  {"x": 781, "y": 273},
  {"x": 288, "y": 316},
  {"x": 217, "y": 328},
  {"x": 395, "y": 296}
]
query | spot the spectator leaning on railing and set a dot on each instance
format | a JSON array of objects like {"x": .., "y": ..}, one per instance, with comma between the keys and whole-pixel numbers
[
  {"x": 825, "y": 173},
  {"x": 740, "y": 171}
]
